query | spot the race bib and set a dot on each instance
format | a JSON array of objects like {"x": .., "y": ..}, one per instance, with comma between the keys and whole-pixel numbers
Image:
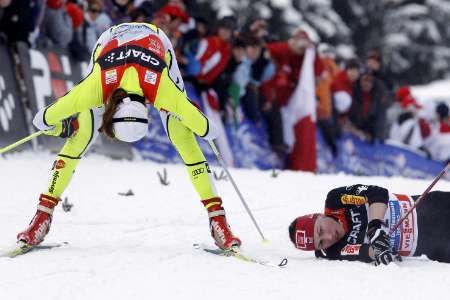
[{"x": 404, "y": 239}]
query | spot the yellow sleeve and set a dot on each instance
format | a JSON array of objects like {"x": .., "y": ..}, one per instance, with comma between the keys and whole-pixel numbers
[
  {"x": 170, "y": 98},
  {"x": 85, "y": 95}
]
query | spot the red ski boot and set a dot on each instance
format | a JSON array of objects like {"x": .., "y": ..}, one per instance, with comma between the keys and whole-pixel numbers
[
  {"x": 220, "y": 230},
  {"x": 40, "y": 224}
]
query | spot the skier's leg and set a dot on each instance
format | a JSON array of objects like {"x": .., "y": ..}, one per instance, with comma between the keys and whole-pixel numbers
[
  {"x": 433, "y": 221},
  {"x": 184, "y": 141},
  {"x": 63, "y": 168}
]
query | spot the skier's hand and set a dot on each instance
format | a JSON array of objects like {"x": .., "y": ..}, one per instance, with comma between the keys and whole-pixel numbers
[
  {"x": 379, "y": 241},
  {"x": 65, "y": 129},
  {"x": 212, "y": 132},
  {"x": 386, "y": 257}
]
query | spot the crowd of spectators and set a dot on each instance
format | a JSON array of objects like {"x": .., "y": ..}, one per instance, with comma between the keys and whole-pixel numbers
[{"x": 250, "y": 74}]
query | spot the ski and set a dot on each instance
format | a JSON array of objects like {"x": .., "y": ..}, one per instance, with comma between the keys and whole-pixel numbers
[
  {"x": 22, "y": 248},
  {"x": 237, "y": 253}
]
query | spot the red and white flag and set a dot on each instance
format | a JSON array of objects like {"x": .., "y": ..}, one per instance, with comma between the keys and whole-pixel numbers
[{"x": 299, "y": 118}]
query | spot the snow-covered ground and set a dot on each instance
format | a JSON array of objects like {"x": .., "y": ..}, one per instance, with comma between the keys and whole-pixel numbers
[
  {"x": 140, "y": 247},
  {"x": 437, "y": 90}
]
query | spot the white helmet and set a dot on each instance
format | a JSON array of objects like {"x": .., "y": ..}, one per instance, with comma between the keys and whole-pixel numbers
[
  {"x": 342, "y": 102},
  {"x": 130, "y": 121}
]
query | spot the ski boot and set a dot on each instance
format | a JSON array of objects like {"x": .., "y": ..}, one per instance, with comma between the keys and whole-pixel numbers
[
  {"x": 220, "y": 230},
  {"x": 40, "y": 224}
]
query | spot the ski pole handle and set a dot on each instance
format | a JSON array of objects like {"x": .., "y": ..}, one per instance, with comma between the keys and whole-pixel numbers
[
  {"x": 20, "y": 142},
  {"x": 439, "y": 176}
]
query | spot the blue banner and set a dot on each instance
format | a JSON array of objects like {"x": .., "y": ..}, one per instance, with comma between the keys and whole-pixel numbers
[
  {"x": 251, "y": 149},
  {"x": 248, "y": 143},
  {"x": 361, "y": 158}
]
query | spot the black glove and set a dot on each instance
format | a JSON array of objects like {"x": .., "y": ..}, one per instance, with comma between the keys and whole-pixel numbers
[
  {"x": 379, "y": 241},
  {"x": 386, "y": 257},
  {"x": 69, "y": 127},
  {"x": 64, "y": 129}
]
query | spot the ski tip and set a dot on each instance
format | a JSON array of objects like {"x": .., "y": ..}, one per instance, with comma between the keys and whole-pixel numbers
[{"x": 265, "y": 241}]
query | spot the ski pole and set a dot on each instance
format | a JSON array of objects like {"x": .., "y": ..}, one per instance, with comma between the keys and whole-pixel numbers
[
  {"x": 439, "y": 176},
  {"x": 20, "y": 142},
  {"x": 222, "y": 163}
]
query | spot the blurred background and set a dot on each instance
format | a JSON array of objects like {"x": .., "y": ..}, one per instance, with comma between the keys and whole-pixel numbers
[{"x": 324, "y": 86}]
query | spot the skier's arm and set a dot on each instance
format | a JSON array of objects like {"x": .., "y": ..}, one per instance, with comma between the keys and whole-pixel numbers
[
  {"x": 85, "y": 95},
  {"x": 357, "y": 194},
  {"x": 350, "y": 252},
  {"x": 170, "y": 98}
]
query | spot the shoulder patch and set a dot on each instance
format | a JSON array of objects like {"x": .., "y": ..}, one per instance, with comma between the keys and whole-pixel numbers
[{"x": 353, "y": 199}]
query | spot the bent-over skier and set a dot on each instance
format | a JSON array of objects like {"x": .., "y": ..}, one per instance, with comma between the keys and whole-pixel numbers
[{"x": 132, "y": 64}]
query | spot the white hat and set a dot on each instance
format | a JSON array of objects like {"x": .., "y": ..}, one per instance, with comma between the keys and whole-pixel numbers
[
  {"x": 342, "y": 101},
  {"x": 130, "y": 121}
]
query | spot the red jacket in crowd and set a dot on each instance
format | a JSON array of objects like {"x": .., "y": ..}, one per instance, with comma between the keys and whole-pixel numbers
[
  {"x": 213, "y": 54},
  {"x": 342, "y": 83},
  {"x": 288, "y": 65}
]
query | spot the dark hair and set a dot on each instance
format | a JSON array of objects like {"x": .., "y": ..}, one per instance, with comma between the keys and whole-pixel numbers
[
  {"x": 374, "y": 54},
  {"x": 229, "y": 22},
  {"x": 292, "y": 231},
  {"x": 352, "y": 64},
  {"x": 252, "y": 40},
  {"x": 110, "y": 108},
  {"x": 442, "y": 110},
  {"x": 239, "y": 42}
]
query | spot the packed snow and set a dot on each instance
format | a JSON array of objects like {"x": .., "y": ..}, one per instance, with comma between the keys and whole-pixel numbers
[{"x": 140, "y": 247}]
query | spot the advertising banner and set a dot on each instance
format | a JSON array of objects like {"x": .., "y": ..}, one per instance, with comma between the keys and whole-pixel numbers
[{"x": 12, "y": 119}]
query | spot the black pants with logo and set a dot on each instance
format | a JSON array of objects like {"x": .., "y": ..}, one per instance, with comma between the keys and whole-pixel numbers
[{"x": 433, "y": 214}]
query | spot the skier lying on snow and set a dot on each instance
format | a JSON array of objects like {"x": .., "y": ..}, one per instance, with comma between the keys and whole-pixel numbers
[
  {"x": 358, "y": 219},
  {"x": 132, "y": 64}
]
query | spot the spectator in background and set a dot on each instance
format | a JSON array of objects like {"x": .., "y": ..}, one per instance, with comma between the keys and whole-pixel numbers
[
  {"x": 442, "y": 112},
  {"x": 56, "y": 28},
  {"x": 212, "y": 57},
  {"x": 288, "y": 59},
  {"x": 324, "y": 98},
  {"x": 143, "y": 13},
  {"x": 169, "y": 18},
  {"x": 190, "y": 40},
  {"x": 374, "y": 64},
  {"x": 255, "y": 103},
  {"x": 438, "y": 144},
  {"x": 18, "y": 19},
  {"x": 86, "y": 31},
  {"x": 409, "y": 128},
  {"x": 96, "y": 17},
  {"x": 248, "y": 90},
  {"x": 119, "y": 10},
  {"x": 368, "y": 110},
  {"x": 77, "y": 47},
  {"x": 342, "y": 98},
  {"x": 3, "y": 5},
  {"x": 234, "y": 79},
  {"x": 257, "y": 28},
  {"x": 345, "y": 80}
]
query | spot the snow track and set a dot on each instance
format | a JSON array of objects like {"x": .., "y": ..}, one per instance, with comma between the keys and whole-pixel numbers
[{"x": 140, "y": 247}]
